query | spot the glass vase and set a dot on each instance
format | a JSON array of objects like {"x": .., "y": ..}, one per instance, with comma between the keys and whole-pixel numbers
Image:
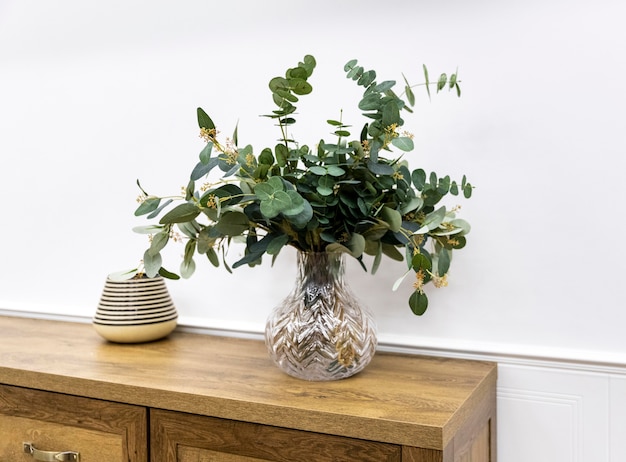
[{"x": 321, "y": 331}]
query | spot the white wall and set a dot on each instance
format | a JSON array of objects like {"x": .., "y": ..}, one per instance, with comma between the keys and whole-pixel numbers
[{"x": 94, "y": 95}]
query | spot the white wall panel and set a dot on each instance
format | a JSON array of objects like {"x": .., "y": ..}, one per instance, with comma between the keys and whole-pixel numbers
[
  {"x": 617, "y": 418},
  {"x": 549, "y": 414}
]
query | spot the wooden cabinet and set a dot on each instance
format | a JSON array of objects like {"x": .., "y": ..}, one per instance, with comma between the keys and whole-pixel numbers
[
  {"x": 201, "y": 398},
  {"x": 55, "y": 423},
  {"x": 186, "y": 438}
]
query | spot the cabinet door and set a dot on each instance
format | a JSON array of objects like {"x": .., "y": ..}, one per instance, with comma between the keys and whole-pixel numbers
[
  {"x": 100, "y": 431},
  {"x": 179, "y": 437}
]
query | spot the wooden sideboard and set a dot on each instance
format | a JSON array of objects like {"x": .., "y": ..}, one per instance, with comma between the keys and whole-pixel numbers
[{"x": 203, "y": 398}]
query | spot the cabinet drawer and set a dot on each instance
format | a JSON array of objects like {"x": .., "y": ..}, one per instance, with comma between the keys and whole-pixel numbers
[
  {"x": 179, "y": 437},
  {"x": 97, "y": 430}
]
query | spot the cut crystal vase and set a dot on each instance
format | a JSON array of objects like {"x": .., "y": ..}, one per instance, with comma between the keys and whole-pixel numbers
[{"x": 321, "y": 331}]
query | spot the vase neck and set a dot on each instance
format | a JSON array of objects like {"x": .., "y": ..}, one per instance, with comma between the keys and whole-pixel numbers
[{"x": 320, "y": 267}]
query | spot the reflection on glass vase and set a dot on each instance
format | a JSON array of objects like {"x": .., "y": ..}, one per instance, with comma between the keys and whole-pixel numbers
[{"x": 321, "y": 331}]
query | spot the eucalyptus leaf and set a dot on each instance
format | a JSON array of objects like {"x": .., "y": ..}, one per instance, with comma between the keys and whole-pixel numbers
[
  {"x": 380, "y": 169},
  {"x": 212, "y": 256},
  {"x": 205, "y": 154},
  {"x": 392, "y": 218},
  {"x": 277, "y": 244},
  {"x": 356, "y": 244},
  {"x": 204, "y": 121},
  {"x": 421, "y": 262},
  {"x": 152, "y": 263},
  {"x": 201, "y": 169},
  {"x": 432, "y": 220},
  {"x": 187, "y": 268},
  {"x": 317, "y": 170},
  {"x": 181, "y": 213},
  {"x": 404, "y": 143},
  {"x": 418, "y": 302},
  {"x": 443, "y": 261},
  {"x": 124, "y": 275},
  {"x": 232, "y": 223},
  {"x": 168, "y": 274},
  {"x": 150, "y": 204},
  {"x": 334, "y": 170},
  {"x": 159, "y": 241},
  {"x": 275, "y": 204},
  {"x": 149, "y": 229}
]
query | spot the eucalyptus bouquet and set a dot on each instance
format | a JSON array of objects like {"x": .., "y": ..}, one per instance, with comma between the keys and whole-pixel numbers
[{"x": 347, "y": 195}]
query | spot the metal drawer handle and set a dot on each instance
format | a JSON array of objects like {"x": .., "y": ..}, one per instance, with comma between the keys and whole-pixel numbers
[{"x": 51, "y": 456}]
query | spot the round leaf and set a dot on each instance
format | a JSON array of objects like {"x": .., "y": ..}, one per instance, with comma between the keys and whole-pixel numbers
[{"x": 418, "y": 301}]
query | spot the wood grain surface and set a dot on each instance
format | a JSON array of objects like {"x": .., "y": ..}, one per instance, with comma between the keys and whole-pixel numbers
[
  {"x": 400, "y": 399},
  {"x": 97, "y": 430}
]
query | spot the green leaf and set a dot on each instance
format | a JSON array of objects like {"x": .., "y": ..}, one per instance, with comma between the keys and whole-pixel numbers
[
  {"x": 460, "y": 223},
  {"x": 151, "y": 263},
  {"x": 317, "y": 170},
  {"x": 432, "y": 220},
  {"x": 418, "y": 302},
  {"x": 150, "y": 204},
  {"x": 149, "y": 229},
  {"x": 392, "y": 218},
  {"x": 356, "y": 244},
  {"x": 384, "y": 86},
  {"x": 378, "y": 168},
  {"x": 420, "y": 262},
  {"x": 300, "y": 86},
  {"x": 467, "y": 191},
  {"x": 367, "y": 78},
  {"x": 266, "y": 190},
  {"x": 443, "y": 262},
  {"x": 349, "y": 65},
  {"x": 123, "y": 275},
  {"x": 426, "y": 80},
  {"x": 181, "y": 213},
  {"x": 297, "y": 204},
  {"x": 413, "y": 204},
  {"x": 370, "y": 102},
  {"x": 228, "y": 194},
  {"x": 404, "y": 143},
  {"x": 441, "y": 83},
  {"x": 187, "y": 268},
  {"x": 276, "y": 244},
  {"x": 392, "y": 252},
  {"x": 205, "y": 154},
  {"x": 409, "y": 92},
  {"x": 201, "y": 169},
  {"x": 301, "y": 219},
  {"x": 236, "y": 135},
  {"x": 266, "y": 157},
  {"x": 377, "y": 256},
  {"x": 418, "y": 177},
  {"x": 334, "y": 170},
  {"x": 188, "y": 265},
  {"x": 168, "y": 274},
  {"x": 454, "y": 188},
  {"x": 232, "y": 223},
  {"x": 275, "y": 204},
  {"x": 159, "y": 241},
  {"x": 204, "y": 121},
  {"x": 452, "y": 80},
  {"x": 212, "y": 256},
  {"x": 325, "y": 186}
]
